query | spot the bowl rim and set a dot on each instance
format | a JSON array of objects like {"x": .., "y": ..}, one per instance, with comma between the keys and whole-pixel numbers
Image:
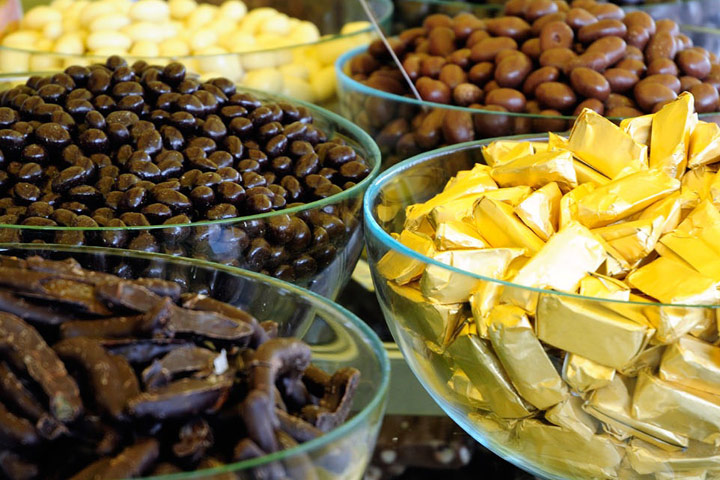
[
  {"x": 365, "y": 334},
  {"x": 374, "y": 230},
  {"x": 355, "y": 133},
  {"x": 345, "y": 81},
  {"x": 385, "y": 16}
]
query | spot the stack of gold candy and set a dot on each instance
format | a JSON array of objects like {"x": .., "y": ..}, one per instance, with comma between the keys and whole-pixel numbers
[{"x": 598, "y": 359}]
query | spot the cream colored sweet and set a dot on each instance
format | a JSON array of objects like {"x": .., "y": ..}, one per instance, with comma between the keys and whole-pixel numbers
[{"x": 261, "y": 48}]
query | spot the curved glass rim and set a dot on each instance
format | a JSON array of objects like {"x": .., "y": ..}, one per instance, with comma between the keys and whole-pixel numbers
[
  {"x": 344, "y": 78},
  {"x": 388, "y": 5},
  {"x": 367, "y": 335},
  {"x": 372, "y": 227},
  {"x": 359, "y": 135}
]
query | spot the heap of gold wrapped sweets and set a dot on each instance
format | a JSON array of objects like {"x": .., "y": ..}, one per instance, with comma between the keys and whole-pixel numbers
[{"x": 621, "y": 379}]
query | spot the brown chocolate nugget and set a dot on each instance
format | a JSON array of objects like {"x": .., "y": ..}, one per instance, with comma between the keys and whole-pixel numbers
[
  {"x": 114, "y": 145},
  {"x": 154, "y": 382}
]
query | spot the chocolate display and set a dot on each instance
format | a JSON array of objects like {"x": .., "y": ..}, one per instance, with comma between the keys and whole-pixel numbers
[
  {"x": 597, "y": 358},
  {"x": 544, "y": 59},
  {"x": 114, "y": 146},
  {"x": 137, "y": 378}
]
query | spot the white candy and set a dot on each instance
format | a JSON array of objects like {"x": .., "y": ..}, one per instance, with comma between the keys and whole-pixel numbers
[
  {"x": 150, "y": 11},
  {"x": 233, "y": 10},
  {"x": 252, "y": 22},
  {"x": 145, "y": 48},
  {"x": 203, "y": 39},
  {"x": 174, "y": 47},
  {"x": 221, "y": 26},
  {"x": 305, "y": 32},
  {"x": 44, "y": 61},
  {"x": 180, "y": 9},
  {"x": 108, "y": 41},
  {"x": 217, "y": 61},
  {"x": 11, "y": 61},
  {"x": 298, "y": 88},
  {"x": 52, "y": 30},
  {"x": 92, "y": 10},
  {"x": 238, "y": 41},
  {"x": 201, "y": 16},
  {"x": 276, "y": 25},
  {"x": 110, "y": 21},
  {"x": 323, "y": 83},
  {"x": 140, "y": 31},
  {"x": 40, "y": 16},
  {"x": 69, "y": 43},
  {"x": 267, "y": 79},
  {"x": 297, "y": 70},
  {"x": 20, "y": 39}
]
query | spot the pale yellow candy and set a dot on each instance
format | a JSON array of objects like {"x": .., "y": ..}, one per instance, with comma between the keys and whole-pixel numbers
[
  {"x": 61, "y": 5},
  {"x": 328, "y": 52},
  {"x": 220, "y": 63},
  {"x": 203, "y": 39},
  {"x": 52, "y": 30},
  {"x": 70, "y": 23},
  {"x": 221, "y": 26},
  {"x": 122, "y": 7},
  {"x": 276, "y": 25},
  {"x": 297, "y": 70},
  {"x": 69, "y": 43},
  {"x": 107, "y": 41},
  {"x": 174, "y": 47},
  {"x": 266, "y": 79},
  {"x": 36, "y": 18},
  {"x": 323, "y": 83},
  {"x": 12, "y": 61},
  {"x": 353, "y": 27},
  {"x": 233, "y": 10},
  {"x": 21, "y": 39},
  {"x": 305, "y": 32},
  {"x": 145, "y": 48},
  {"x": 92, "y": 10},
  {"x": 296, "y": 87},
  {"x": 150, "y": 11},
  {"x": 101, "y": 54},
  {"x": 44, "y": 62},
  {"x": 260, "y": 60},
  {"x": 201, "y": 16},
  {"x": 110, "y": 21},
  {"x": 181, "y": 9},
  {"x": 238, "y": 41},
  {"x": 252, "y": 22},
  {"x": 141, "y": 31}
]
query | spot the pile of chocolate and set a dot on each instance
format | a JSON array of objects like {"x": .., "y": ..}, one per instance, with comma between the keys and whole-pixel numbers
[
  {"x": 102, "y": 377},
  {"x": 131, "y": 146}
]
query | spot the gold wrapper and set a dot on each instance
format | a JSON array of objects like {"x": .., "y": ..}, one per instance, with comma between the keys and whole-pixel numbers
[
  {"x": 566, "y": 452},
  {"x": 480, "y": 364},
  {"x": 671, "y": 323},
  {"x": 524, "y": 358},
  {"x": 584, "y": 375},
  {"x": 537, "y": 170},
  {"x": 590, "y": 138},
  {"x": 568, "y": 203},
  {"x": 673, "y": 407},
  {"x": 498, "y": 224},
  {"x": 673, "y": 282},
  {"x": 457, "y": 234},
  {"x": 442, "y": 285},
  {"x": 466, "y": 177},
  {"x": 623, "y": 197},
  {"x": 585, "y": 174},
  {"x": 639, "y": 128},
  {"x": 439, "y": 323},
  {"x": 402, "y": 268},
  {"x": 555, "y": 142},
  {"x": 463, "y": 207},
  {"x": 612, "y": 405},
  {"x": 615, "y": 265},
  {"x": 503, "y": 151},
  {"x": 696, "y": 184},
  {"x": 694, "y": 251},
  {"x": 672, "y": 125},
  {"x": 601, "y": 286},
  {"x": 590, "y": 329},
  {"x": 482, "y": 302},
  {"x": 541, "y": 210},
  {"x": 496, "y": 428},
  {"x": 647, "y": 459},
  {"x": 550, "y": 269},
  {"x": 649, "y": 359},
  {"x": 703, "y": 222},
  {"x": 511, "y": 195},
  {"x": 634, "y": 240},
  {"x": 707, "y": 328},
  {"x": 669, "y": 209},
  {"x": 692, "y": 363},
  {"x": 570, "y": 415},
  {"x": 460, "y": 384},
  {"x": 704, "y": 145}
]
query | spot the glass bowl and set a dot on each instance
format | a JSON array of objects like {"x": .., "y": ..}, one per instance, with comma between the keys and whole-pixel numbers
[
  {"x": 303, "y": 71},
  {"x": 320, "y": 257},
  {"x": 587, "y": 435},
  {"x": 337, "y": 339}
]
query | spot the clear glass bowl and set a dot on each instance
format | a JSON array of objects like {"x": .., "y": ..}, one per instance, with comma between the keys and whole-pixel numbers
[
  {"x": 337, "y": 338},
  {"x": 323, "y": 266},
  {"x": 392, "y": 120},
  {"x": 303, "y": 71},
  {"x": 464, "y": 375}
]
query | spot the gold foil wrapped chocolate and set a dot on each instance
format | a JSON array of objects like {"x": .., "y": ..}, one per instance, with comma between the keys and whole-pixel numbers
[
  {"x": 671, "y": 281},
  {"x": 669, "y": 149},
  {"x": 402, "y": 268},
  {"x": 589, "y": 140},
  {"x": 537, "y": 170},
  {"x": 570, "y": 415},
  {"x": 541, "y": 210},
  {"x": 499, "y": 225},
  {"x": 457, "y": 234},
  {"x": 638, "y": 128},
  {"x": 601, "y": 286},
  {"x": 647, "y": 459},
  {"x": 568, "y": 203},
  {"x": 584, "y": 375},
  {"x": 633, "y": 240},
  {"x": 503, "y": 151},
  {"x": 692, "y": 363},
  {"x": 704, "y": 145}
]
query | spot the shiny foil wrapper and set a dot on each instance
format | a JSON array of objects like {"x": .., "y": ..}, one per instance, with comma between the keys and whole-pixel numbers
[
  {"x": 692, "y": 363},
  {"x": 541, "y": 210},
  {"x": 460, "y": 384},
  {"x": 457, "y": 234},
  {"x": 694, "y": 251},
  {"x": 549, "y": 268},
  {"x": 569, "y": 414},
  {"x": 585, "y": 174},
  {"x": 649, "y": 360},
  {"x": 673, "y": 407},
  {"x": 524, "y": 359},
  {"x": 556, "y": 142},
  {"x": 634, "y": 240},
  {"x": 402, "y": 268},
  {"x": 638, "y": 128},
  {"x": 590, "y": 329},
  {"x": 483, "y": 300},
  {"x": 476, "y": 358},
  {"x": 568, "y": 203},
  {"x": 562, "y": 450},
  {"x": 584, "y": 375},
  {"x": 669, "y": 149},
  {"x": 601, "y": 286},
  {"x": 499, "y": 225},
  {"x": 669, "y": 209},
  {"x": 671, "y": 323},
  {"x": 503, "y": 151},
  {"x": 537, "y": 170},
  {"x": 704, "y": 145},
  {"x": 623, "y": 197},
  {"x": 612, "y": 405},
  {"x": 645, "y": 459},
  {"x": 696, "y": 185},
  {"x": 673, "y": 282},
  {"x": 589, "y": 140}
]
